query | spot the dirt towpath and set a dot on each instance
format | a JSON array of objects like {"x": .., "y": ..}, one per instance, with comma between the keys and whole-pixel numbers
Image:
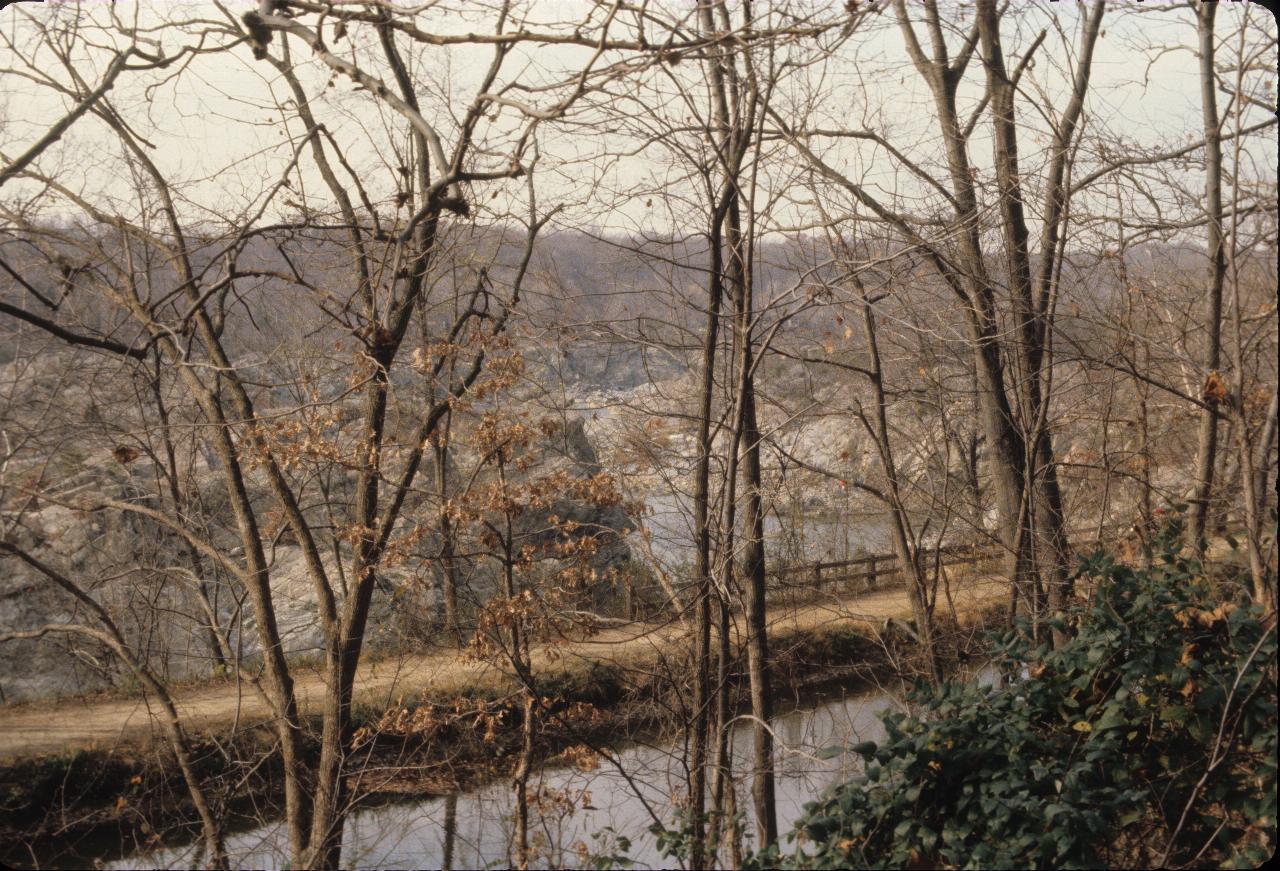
[{"x": 37, "y": 728}]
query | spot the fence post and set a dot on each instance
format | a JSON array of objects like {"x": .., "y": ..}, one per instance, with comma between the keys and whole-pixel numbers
[
  {"x": 817, "y": 576},
  {"x": 871, "y": 575}
]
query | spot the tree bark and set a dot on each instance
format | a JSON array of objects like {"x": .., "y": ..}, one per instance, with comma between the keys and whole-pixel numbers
[
  {"x": 732, "y": 147},
  {"x": 753, "y": 556},
  {"x": 450, "y": 831},
  {"x": 724, "y": 797}
]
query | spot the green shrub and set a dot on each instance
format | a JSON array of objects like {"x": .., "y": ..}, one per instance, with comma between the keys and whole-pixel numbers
[{"x": 1150, "y": 738}]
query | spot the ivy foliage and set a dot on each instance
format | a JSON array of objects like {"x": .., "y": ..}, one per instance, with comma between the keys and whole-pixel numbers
[{"x": 1149, "y": 739}]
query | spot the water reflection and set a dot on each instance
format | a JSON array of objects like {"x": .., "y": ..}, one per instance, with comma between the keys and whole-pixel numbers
[
  {"x": 474, "y": 829},
  {"x": 450, "y": 831}
]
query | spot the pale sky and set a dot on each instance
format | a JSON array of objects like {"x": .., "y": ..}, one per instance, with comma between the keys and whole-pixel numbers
[{"x": 216, "y": 127}]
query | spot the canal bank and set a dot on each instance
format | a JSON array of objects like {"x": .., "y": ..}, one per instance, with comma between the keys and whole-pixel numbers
[{"x": 619, "y": 685}]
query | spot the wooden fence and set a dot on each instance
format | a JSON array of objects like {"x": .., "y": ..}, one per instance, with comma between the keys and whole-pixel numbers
[
  {"x": 868, "y": 573},
  {"x": 878, "y": 570}
]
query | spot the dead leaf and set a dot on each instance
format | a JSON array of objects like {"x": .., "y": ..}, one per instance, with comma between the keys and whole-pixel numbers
[
  {"x": 1215, "y": 389},
  {"x": 125, "y": 455}
]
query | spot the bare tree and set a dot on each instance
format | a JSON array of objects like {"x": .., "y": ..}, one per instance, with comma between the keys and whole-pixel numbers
[
  {"x": 899, "y": 270},
  {"x": 391, "y": 265},
  {"x": 1206, "y": 455}
]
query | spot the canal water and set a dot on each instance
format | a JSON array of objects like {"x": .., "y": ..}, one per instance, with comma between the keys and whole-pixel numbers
[{"x": 580, "y": 810}]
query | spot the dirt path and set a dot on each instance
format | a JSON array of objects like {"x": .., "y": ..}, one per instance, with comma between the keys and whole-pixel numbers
[{"x": 51, "y": 727}]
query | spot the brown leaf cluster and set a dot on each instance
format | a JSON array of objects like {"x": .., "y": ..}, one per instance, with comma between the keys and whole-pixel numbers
[
  {"x": 1215, "y": 389},
  {"x": 1203, "y": 618}
]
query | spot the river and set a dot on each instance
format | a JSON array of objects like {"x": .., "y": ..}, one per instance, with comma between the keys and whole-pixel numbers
[{"x": 791, "y": 537}]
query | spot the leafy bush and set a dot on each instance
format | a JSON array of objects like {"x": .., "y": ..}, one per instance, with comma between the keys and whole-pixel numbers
[{"x": 1148, "y": 739}]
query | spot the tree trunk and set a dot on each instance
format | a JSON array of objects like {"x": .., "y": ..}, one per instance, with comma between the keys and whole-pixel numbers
[
  {"x": 702, "y": 571},
  {"x": 1207, "y": 450},
  {"x": 753, "y": 556},
  {"x": 908, "y": 558},
  {"x": 724, "y": 797},
  {"x": 448, "y": 561},
  {"x": 1006, "y": 447},
  {"x": 520, "y": 783},
  {"x": 1032, "y": 310},
  {"x": 732, "y": 147}
]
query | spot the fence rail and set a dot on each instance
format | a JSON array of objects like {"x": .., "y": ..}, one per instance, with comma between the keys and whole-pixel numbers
[{"x": 878, "y": 570}]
